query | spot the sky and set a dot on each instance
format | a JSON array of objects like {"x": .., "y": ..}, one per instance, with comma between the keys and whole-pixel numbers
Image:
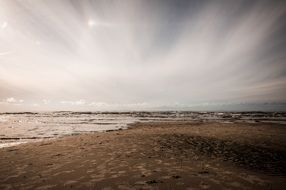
[{"x": 142, "y": 55}]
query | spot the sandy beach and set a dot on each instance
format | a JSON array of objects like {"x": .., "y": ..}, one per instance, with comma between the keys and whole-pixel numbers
[{"x": 158, "y": 155}]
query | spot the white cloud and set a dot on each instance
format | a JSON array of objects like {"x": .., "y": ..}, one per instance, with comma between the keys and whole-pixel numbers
[
  {"x": 98, "y": 104},
  {"x": 80, "y": 102},
  {"x": 105, "y": 105},
  {"x": 11, "y": 100},
  {"x": 4, "y": 25},
  {"x": 5, "y": 53},
  {"x": 46, "y": 101},
  {"x": 117, "y": 106}
]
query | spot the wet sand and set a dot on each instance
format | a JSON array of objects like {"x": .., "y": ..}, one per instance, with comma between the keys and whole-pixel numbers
[{"x": 172, "y": 155}]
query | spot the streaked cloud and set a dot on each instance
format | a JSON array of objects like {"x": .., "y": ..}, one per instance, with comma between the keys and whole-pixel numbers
[{"x": 141, "y": 54}]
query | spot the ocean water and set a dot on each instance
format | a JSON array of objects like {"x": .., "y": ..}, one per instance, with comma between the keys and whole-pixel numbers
[{"x": 17, "y": 128}]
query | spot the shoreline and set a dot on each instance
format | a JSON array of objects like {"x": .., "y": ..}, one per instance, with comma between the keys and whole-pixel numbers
[
  {"x": 176, "y": 155},
  {"x": 27, "y": 126},
  {"x": 6, "y": 142}
]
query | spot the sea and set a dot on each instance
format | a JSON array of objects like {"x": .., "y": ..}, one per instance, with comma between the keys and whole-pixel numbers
[{"x": 24, "y": 127}]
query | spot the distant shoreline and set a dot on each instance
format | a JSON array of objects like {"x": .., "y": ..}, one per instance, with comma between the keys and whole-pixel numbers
[{"x": 140, "y": 111}]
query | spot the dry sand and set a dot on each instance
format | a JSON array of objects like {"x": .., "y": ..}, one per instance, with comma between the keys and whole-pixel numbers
[{"x": 176, "y": 155}]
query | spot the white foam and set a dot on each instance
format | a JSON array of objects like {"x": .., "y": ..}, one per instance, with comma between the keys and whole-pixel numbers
[
  {"x": 4, "y": 118},
  {"x": 10, "y": 144}
]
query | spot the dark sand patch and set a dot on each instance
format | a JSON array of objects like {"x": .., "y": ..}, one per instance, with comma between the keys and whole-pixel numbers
[{"x": 249, "y": 156}]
